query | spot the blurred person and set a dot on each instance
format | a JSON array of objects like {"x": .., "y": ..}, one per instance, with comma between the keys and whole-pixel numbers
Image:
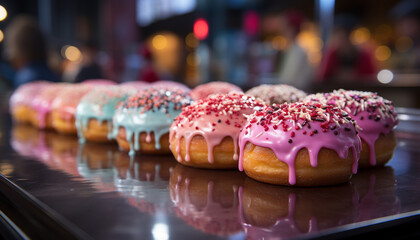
[
  {"x": 148, "y": 71},
  {"x": 89, "y": 67},
  {"x": 294, "y": 68},
  {"x": 25, "y": 48},
  {"x": 406, "y": 55},
  {"x": 343, "y": 61}
]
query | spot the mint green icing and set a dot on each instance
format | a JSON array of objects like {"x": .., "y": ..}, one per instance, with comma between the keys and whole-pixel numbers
[
  {"x": 134, "y": 123},
  {"x": 100, "y": 104}
]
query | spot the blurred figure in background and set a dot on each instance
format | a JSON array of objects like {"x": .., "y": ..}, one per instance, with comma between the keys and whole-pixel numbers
[
  {"x": 406, "y": 55},
  {"x": 294, "y": 68},
  {"x": 89, "y": 67},
  {"x": 148, "y": 71},
  {"x": 25, "y": 48},
  {"x": 343, "y": 61}
]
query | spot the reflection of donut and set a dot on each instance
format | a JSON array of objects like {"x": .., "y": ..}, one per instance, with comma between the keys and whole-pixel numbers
[
  {"x": 96, "y": 162},
  {"x": 206, "y": 133},
  {"x": 301, "y": 145},
  {"x": 143, "y": 168},
  {"x": 376, "y": 188},
  {"x": 204, "y": 90},
  {"x": 21, "y": 100},
  {"x": 140, "y": 177},
  {"x": 142, "y": 122},
  {"x": 207, "y": 199},
  {"x": 278, "y": 94},
  {"x": 269, "y": 211},
  {"x": 375, "y": 117},
  {"x": 64, "y": 151},
  {"x": 24, "y": 138}
]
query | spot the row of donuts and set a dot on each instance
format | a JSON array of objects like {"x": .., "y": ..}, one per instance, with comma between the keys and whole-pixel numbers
[
  {"x": 320, "y": 140},
  {"x": 231, "y": 199},
  {"x": 309, "y": 143}
]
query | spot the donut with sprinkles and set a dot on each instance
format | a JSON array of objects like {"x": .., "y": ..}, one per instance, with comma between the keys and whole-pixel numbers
[
  {"x": 141, "y": 123},
  {"x": 376, "y": 118},
  {"x": 299, "y": 145},
  {"x": 205, "y": 134}
]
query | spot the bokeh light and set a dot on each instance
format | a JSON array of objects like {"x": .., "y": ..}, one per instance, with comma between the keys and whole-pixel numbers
[
  {"x": 191, "y": 41},
  {"x": 3, "y": 13},
  {"x": 71, "y": 53},
  {"x": 385, "y": 76},
  {"x": 159, "y": 42},
  {"x": 1, "y": 36},
  {"x": 382, "y": 53},
  {"x": 201, "y": 28},
  {"x": 360, "y": 36}
]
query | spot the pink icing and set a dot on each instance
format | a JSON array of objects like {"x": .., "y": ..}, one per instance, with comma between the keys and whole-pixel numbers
[
  {"x": 26, "y": 93},
  {"x": 284, "y": 131},
  {"x": 213, "y": 118},
  {"x": 68, "y": 99},
  {"x": 207, "y": 89},
  {"x": 42, "y": 103},
  {"x": 374, "y": 115}
]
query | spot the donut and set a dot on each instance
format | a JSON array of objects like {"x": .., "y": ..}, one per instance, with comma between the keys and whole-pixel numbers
[
  {"x": 271, "y": 212},
  {"x": 207, "y": 89},
  {"x": 207, "y": 199},
  {"x": 205, "y": 134},
  {"x": 21, "y": 100},
  {"x": 64, "y": 108},
  {"x": 299, "y": 145},
  {"x": 41, "y": 116},
  {"x": 142, "y": 122},
  {"x": 95, "y": 111},
  {"x": 375, "y": 117},
  {"x": 278, "y": 94},
  {"x": 170, "y": 85}
]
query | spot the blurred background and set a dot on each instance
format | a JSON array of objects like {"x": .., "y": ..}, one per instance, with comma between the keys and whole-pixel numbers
[{"x": 315, "y": 45}]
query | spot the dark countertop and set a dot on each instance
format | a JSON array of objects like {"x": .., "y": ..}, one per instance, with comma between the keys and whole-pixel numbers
[{"x": 95, "y": 191}]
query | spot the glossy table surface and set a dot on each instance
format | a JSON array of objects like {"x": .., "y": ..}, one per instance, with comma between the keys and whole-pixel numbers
[{"x": 102, "y": 194}]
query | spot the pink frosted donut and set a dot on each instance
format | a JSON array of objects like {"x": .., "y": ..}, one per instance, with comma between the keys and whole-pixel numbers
[
  {"x": 21, "y": 100},
  {"x": 170, "y": 84},
  {"x": 206, "y": 133},
  {"x": 207, "y": 89},
  {"x": 98, "y": 82},
  {"x": 42, "y": 105},
  {"x": 138, "y": 85},
  {"x": 64, "y": 107},
  {"x": 278, "y": 94},
  {"x": 301, "y": 145},
  {"x": 375, "y": 117}
]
